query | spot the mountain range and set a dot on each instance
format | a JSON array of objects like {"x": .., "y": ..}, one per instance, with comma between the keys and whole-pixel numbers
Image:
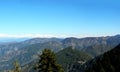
[{"x": 28, "y": 50}]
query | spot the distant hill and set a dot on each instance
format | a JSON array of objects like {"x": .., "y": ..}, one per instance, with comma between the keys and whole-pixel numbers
[
  {"x": 41, "y": 40},
  {"x": 108, "y": 62},
  {"x": 93, "y": 45}
]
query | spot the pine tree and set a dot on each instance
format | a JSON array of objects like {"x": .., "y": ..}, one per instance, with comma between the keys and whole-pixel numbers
[
  {"x": 47, "y": 62},
  {"x": 17, "y": 67}
]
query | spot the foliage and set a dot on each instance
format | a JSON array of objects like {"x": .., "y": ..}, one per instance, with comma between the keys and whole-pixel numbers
[
  {"x": 47, "y": 62},
  {"x": 17, "y": 67}
]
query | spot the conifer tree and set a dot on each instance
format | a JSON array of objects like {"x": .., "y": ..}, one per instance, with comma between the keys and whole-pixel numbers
[{"x": 47, "y": 62}]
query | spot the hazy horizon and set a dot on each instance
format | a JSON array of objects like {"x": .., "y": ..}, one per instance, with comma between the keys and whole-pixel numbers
[{"x": 29, "y": 36}]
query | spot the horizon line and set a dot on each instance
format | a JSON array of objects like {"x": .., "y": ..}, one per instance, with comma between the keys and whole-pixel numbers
[{"x": 50, "y": 35}]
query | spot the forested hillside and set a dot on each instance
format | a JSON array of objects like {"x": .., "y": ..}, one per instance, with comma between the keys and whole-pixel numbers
[{"x": 108, "y": 62}]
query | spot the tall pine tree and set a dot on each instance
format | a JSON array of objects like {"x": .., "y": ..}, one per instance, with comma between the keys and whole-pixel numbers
[{"x": 47, "y": 62}]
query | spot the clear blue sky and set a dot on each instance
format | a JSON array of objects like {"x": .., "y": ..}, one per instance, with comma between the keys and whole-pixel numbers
[{"x": 51, "y": 17}]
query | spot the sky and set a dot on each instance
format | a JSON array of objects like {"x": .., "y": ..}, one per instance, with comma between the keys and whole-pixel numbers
[{"x": 59, "y": 18}]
